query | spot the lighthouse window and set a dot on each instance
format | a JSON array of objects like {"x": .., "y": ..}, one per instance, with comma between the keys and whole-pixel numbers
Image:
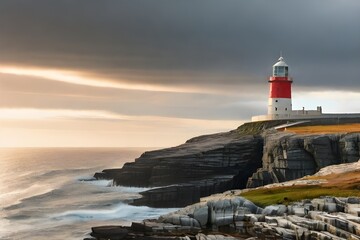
[
  {"x": 285, "y": 109},
  {"x": 276, "y": 109},
  {"x": 279, "y": 71},
  {"x": 286, "y": 71},
  {"x": 276, "y": 100},
  {"x": 275, "y": 71}
]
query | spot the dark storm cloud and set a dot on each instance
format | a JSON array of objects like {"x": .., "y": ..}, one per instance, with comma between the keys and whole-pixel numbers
[{"x": 170, "y": 42}]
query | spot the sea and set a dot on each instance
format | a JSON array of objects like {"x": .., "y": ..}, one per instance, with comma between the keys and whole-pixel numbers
[{"x": 50, "y": 193}]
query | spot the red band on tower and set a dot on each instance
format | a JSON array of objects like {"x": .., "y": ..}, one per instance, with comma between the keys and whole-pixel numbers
[{"x": 280, "y": 87}]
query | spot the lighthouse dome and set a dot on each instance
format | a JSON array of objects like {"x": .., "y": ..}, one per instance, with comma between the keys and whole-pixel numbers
[
  {"x": 281, "y": 63},
  {"x": 280, "y": 69}
]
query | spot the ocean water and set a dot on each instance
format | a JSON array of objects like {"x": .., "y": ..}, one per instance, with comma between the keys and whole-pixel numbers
[{"x": 49, "y": 193}]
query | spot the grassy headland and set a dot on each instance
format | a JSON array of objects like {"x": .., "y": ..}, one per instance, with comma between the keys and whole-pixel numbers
[{"x": 342, "y": 128}]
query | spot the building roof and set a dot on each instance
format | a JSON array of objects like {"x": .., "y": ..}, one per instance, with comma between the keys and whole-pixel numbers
[{"x": 280, "y": 63}]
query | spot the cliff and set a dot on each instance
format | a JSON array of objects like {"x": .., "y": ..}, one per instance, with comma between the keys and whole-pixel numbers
[
  {"x": 202, "y": 166},
  {"x": 289, "y": 156}
]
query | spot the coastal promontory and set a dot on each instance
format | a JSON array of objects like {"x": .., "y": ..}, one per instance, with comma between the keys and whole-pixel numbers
[{"x": 253, "y": 155}]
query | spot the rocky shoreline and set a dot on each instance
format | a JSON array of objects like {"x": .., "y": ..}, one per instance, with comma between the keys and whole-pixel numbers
[{"x": 228, "y": 216}]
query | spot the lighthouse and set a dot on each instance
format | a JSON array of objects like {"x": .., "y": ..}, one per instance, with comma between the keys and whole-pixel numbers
[{"x": 279, "y": 103}]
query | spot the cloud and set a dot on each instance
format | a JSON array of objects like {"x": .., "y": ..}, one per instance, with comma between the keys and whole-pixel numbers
[
  {"x": 25, "y": 92},
  {"x": 174, "y": 43},
  {"x": 80, "y": 78},
  {"x": 43, "y": 114},
  {"x": 26, "y": 114},
  {"x": 177, "y": 67}
]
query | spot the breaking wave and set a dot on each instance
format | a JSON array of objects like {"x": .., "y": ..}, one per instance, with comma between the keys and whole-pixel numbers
[{"x": 119, "y": 212}]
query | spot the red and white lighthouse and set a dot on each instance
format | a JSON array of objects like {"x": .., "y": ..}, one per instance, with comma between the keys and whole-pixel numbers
[{"x": 279, "y": 105}]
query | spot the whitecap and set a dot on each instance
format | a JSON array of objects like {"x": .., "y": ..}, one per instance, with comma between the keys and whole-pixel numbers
[
  {"x": 16, "y": 196},
  {"x": 120, "y": 212},
  {"x": 109, "y": 183},
  {"x": 98, "y": 183},
  {"x": 130, "y": 189}
]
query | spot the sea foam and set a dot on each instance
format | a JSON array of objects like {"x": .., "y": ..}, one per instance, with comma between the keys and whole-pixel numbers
[{"x": 120, "y": 211}]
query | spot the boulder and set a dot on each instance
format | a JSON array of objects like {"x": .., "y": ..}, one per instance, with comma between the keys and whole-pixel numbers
[{"x": 275, "y": 210}]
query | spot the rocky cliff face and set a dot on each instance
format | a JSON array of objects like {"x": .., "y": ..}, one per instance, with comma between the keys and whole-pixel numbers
[
  {"x": 221, "y": 155},
  {"x": 252, "y": 155},
  {"x": 200, "y": 167},
  {"x": 289, "y": 156}
]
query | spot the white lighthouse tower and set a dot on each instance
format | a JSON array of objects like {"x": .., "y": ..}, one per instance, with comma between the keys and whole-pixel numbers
[{"x": 279, "y": 103}]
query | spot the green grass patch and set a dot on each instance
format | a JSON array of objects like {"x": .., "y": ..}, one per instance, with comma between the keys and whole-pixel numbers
[{"x": 285, "y": 195}]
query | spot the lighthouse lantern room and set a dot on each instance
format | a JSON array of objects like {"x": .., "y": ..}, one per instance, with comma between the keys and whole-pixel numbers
[{"x": 279, "y": 105}]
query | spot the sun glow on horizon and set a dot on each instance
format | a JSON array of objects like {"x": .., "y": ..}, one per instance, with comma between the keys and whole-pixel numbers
[
  {"x": 331, "y": 101},
  {"x": 40, "y": 114},
  {"x": 29, "y": 127}
]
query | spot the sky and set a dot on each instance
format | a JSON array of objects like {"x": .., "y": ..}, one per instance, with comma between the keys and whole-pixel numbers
[{"x": 154, "y": 73}]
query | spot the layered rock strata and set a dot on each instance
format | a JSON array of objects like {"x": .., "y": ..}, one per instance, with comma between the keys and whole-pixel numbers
[
  {"x": 215, "y": 163},
  {"x": 205, "y": 157},
  {"x": 238, "y": 218},
  {"x": 289, "y": 156},
  {"x": 200, "y": 167}
]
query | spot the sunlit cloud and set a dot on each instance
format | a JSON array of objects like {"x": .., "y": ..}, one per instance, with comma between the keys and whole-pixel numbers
[
  {"x": 82, "y": 78},
  {"x": 48, "y": 114},
  {"x": 40, "y": 114}
]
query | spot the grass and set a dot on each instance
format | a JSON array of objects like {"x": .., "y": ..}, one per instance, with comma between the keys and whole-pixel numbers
[
  {"x": 338, "y": 185},
  {"x": 348, "y": 180},
  {"x": 285, "y": 195},
  {"x": 342, "y": 128}
]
